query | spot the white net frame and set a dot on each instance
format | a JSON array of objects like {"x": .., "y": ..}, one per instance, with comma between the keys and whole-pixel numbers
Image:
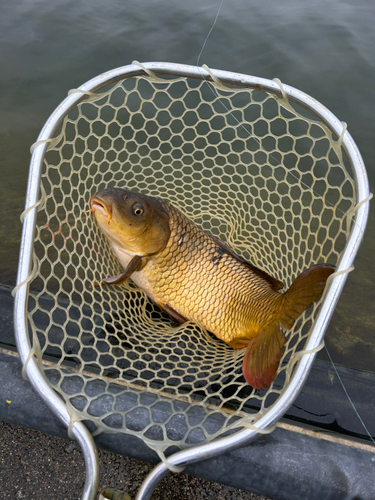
[{"x": 252, "y": 167}]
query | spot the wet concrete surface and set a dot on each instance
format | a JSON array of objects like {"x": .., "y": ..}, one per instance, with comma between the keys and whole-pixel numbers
[{"x": 37, "y": 466}]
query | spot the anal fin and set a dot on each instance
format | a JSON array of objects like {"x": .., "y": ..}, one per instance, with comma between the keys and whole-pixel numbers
[{"x": 262, "y": 356}]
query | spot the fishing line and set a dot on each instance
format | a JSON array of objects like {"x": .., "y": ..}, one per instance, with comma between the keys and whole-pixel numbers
[
  {"x": 209, "y": 33},
  {"x": 354, "y": 209},
  {"x": 278, "y": 163},
  {"x": 349, "y": 398},
  {"x": 242, "y": 125}
]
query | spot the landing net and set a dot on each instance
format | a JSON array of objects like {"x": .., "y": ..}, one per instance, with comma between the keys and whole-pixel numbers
[{"x": 261, "y": 173}]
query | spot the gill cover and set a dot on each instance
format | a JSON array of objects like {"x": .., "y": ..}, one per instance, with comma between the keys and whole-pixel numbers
[{"x": 136, "y": 223}]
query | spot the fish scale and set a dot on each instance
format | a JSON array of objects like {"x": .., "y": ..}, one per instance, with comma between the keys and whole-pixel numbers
[
  {"x": 210, "y": 281},
  {"x": 195, "y": 276}
]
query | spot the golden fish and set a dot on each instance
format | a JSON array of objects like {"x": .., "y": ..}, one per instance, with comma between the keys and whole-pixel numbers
[{"x": 195, "y": 276}]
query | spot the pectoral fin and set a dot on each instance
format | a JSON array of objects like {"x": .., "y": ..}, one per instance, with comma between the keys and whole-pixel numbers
[
  {"x": 136, "y": 264},
  {"x": 262, "y": 357}
]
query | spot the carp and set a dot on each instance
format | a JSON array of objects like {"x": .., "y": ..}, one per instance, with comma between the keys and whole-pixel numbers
[{"x": 196, "y": 277}]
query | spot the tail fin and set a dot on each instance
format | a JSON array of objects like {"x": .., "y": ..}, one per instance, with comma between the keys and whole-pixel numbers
[
  {"x": 263, "y": 354},
  {"x": 306, "y": 289}
]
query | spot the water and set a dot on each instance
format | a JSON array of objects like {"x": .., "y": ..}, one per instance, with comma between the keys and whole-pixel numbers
[{"x": 323, "y": 48}]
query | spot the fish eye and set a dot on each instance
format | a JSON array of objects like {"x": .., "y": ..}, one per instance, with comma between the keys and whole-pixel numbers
[{"x": 138, "y": 209}]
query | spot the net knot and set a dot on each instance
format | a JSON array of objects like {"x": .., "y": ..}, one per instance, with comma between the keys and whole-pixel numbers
[
  {"x": 36, "y": 351},
  {"x": 91, "y": 96},
  {"x": 283, "y": 93},
  {"x": 341, "y": 138},
  {"x": 251, "y": 426},
  {"x": 39, "y": 204},
  {"x": 338, "y": 273},
  {"x": 24, "y": 367},
  {"x": 72, "y": 421},
  {"x": 171, "y": 467},
  {"x": 152, "y": 75},
  {"x": 214, "y": 78},
  {"x": 30, "y": 277},
  {"x": 298, "y": 355},
  {"x": 355, "y": 209},
  {"x": 39, "y": 143},
  {"x": 81, "y": 91},
  {"x": 51, "y": 142}
]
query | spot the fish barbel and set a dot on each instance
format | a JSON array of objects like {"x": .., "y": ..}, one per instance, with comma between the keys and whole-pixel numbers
[{"x": 195, "y": 276}]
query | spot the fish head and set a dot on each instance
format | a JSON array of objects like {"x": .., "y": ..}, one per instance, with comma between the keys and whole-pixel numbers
[{"x": 136, "y": 223}]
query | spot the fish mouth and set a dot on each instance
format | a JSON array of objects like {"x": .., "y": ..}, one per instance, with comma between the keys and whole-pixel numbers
[{"x": 99, "y": 206}]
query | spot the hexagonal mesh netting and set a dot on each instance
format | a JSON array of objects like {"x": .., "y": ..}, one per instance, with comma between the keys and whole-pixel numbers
[{"x": 262, "y": 174}]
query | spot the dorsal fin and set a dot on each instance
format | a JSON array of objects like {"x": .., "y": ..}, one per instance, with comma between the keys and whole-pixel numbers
[{"x": 274, "y": 283}]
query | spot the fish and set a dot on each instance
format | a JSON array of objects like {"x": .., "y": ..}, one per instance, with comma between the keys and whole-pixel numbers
[{"x": 194, "y": 276}]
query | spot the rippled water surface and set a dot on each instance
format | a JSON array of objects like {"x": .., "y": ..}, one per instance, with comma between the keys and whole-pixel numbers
[{"x": 324, "y": 48}]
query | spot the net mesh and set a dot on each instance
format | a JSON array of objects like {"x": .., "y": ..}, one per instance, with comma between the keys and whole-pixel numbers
[{"x": 262, "y": 174}]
